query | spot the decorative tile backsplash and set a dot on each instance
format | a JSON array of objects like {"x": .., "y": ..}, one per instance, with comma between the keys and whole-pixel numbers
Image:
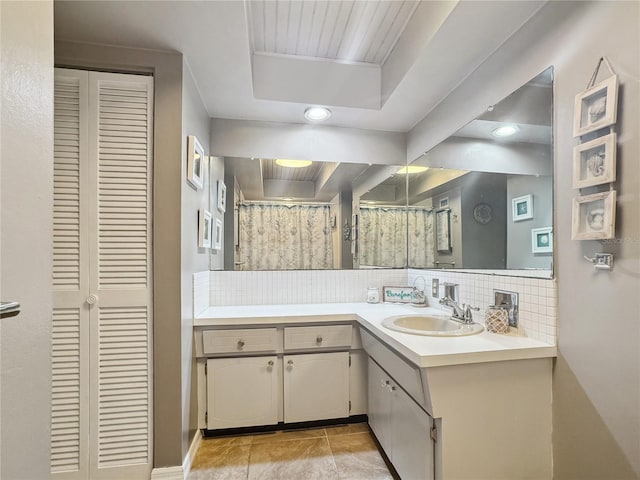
[
  {"x": 299, "y": 286},
  {"x": 537, "y": 296}
]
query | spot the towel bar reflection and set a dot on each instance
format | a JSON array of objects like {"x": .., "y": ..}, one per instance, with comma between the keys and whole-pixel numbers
[{"x": 9, "y": 309}]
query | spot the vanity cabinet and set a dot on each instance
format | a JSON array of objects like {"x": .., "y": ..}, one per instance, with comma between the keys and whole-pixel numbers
[
  {"x": 263, "y": 375},
  {"x": 403, "y": 429},
  {"x": 242, "y": 391}
]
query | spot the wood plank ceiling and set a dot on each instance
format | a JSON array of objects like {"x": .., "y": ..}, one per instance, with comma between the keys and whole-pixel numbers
[{"x": 342, "y": 30}]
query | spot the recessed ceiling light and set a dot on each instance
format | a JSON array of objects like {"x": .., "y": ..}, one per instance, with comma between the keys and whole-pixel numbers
[
  {"x": 317, "y": 114},
  {"x": 505, "y": 131},
  {"x": 412, "y": 169},
  {"x": 283, "y": 162}
]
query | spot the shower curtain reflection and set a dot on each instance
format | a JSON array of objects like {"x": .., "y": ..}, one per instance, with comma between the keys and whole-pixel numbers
[
  {"x": 284, "y": 237},
  {"x": 383, "y": 236}
]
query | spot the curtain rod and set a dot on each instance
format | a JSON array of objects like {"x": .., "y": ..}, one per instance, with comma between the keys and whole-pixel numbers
[
  {"x": 248, "y": 203},
  {"x": 414, "y": 207}
]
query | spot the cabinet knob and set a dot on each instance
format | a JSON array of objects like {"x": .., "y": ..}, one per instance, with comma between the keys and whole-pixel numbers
[
  {"x": 319, "y": 339},
  {"x": 393, "y": 389},
  {"x": 290, "y": 362},
  {"x": 387, "y": 382},
  {"x": 92, "y": 299},
  {"x": 270, "y": 363},
  {"x": 240, "y": 343}
]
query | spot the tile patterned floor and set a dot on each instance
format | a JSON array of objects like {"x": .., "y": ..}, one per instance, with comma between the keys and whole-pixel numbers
[{"x": 345, "y": 452}]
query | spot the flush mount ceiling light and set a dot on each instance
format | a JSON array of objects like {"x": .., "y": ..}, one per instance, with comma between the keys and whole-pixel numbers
[
  {"x": 505, "y": 131},
  {"x": 412, "y": 169},
  {"x": 283, "y": 162},
  {"x": 317, "y": 114}
]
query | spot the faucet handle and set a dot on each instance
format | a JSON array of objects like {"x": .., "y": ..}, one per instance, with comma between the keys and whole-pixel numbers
[{"x": 468, "y": 316}]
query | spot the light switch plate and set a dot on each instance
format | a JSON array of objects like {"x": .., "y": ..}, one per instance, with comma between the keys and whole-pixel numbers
[{"x": 435, "y": 287}]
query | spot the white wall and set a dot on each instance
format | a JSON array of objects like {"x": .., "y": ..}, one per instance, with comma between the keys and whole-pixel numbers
[
  {"x": 597, "y": 374},
  {"x": 195, "y": 121},
  {"x": 26, "y": 251}
]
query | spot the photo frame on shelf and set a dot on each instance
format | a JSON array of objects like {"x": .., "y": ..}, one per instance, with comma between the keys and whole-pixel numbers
[
  {"x": 204, "y": 228},
  {"x": 443, "y": 231},
  {"x": 542, "y": 240},
  {"x": 596, "y": 107},
  {"x": 222, "y": 196},
  {"x": 594, "y": 162},
  {"x": 195, "y": 162},
  {"x": 522, "y": 208},
  {"x": 217, "y": 235},
  {"x": 594, "y": 216}
]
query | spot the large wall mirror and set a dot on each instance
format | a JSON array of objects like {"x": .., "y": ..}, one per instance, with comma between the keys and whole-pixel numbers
[
  {"x": 481, "y": 199},
  {"x": 488, "y": 189},
  {"x": 289, "y": 214}
]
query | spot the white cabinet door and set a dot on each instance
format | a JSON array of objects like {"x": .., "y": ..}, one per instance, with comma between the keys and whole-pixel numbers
[
  {"x": 380, "y": 405},
  {"x": 242, "y": 392},
  {"x": 316, "y": 386},
  {"x": 411, "y": 444},
  {"x": 400, "y": 425}
]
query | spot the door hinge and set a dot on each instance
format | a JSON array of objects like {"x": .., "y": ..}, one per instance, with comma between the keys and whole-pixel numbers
[
  {"x": 349, "y": 360},
  {"x": 349, "y": 405},
  {"x": 205, "y": 368},
  {"x": 434, "y": 434},
  {"x": 206, "y": 418}
]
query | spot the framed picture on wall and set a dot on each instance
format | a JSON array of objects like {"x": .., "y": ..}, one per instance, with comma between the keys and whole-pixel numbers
[
  {"x": 542, "y": 240},
  {"x": 222, "y": 196},
  {"x": 596, "y": 107},
  {"x": 204, "y": 228},
  {"x": 443, "y": 231},
  {"x": 594, "y": 162},
  {"x": 217, "y": 235},
  {"x": 195, "y": 162},
  {"x": 594, "y": 216},
  {"x": 522, "y": 208}
]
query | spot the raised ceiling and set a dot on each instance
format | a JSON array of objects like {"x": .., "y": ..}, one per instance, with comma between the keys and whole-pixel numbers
[
  {"x": 436, "y": 47},
  {"x": 352, "y": 31}
]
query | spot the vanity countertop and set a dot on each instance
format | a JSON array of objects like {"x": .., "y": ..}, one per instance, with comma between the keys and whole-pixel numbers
[{"x": 421, "y": 350}]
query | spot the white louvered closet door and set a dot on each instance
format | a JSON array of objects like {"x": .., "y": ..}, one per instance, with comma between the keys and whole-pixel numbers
[{"x": 115, "y": 290}]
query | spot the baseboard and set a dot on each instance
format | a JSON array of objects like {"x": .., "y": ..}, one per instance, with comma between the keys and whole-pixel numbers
[
  {"x": 191, "y": 454},
  {"x": 168, "y": 473}
]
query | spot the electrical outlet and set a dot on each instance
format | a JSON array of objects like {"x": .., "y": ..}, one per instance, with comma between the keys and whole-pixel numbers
[{"x": 435, "y": 288}]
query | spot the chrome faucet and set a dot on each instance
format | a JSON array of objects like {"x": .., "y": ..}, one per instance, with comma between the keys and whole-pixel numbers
[{"x": 460, "y": 313}]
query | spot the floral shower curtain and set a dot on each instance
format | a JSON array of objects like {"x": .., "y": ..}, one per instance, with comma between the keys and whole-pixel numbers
[
  {"x": 285, "y": 237},
  {"x": 383, "y": 238},
  {"x": 421, "y": 238}
]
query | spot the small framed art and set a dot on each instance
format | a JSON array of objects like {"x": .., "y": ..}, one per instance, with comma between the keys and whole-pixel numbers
[
  {"x": 596, "y": 107},
  {"x": 594, "y": 162},
  {"x": 195, "y": 162},
  {"x": 542, "y": 240},
  {"x": 204, "y": 228},
  {"x": 594, "y": 216},
  {"x": 217, "y": 235},
  {"x": 522, "y": 208},
  {"x": 222, "y": 196}
]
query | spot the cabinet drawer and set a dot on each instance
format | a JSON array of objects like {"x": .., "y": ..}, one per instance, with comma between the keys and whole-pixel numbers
[
  {"x": 321, "y": 336},
  {"x": 237, "y": 341}
]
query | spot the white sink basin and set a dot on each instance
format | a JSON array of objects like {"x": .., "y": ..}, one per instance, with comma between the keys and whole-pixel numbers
[{"x": 431, "y": 325}]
